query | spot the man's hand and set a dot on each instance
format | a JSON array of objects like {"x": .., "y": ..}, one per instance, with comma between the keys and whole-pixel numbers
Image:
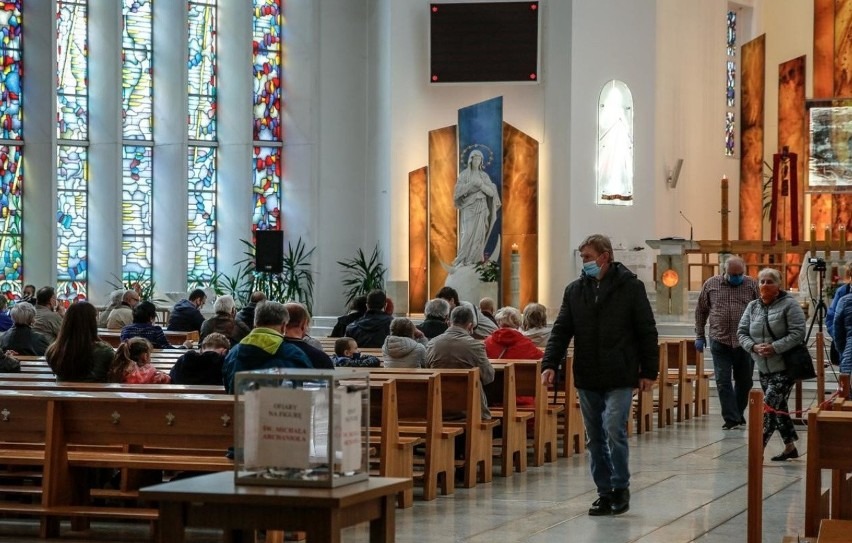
[
  {"x": 646, "y": 384},
  {"x": 547, "y": 377},
  {"x": 699, "y": 345}
]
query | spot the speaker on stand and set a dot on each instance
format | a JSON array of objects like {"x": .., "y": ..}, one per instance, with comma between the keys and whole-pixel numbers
[{"x": 269, "y": 251}]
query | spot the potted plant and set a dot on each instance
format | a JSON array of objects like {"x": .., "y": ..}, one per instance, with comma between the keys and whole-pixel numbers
[
  {"x": 489, "y": 276},
  {"x": 362, "y": 274},
  {"x": 294, "y": 283}
]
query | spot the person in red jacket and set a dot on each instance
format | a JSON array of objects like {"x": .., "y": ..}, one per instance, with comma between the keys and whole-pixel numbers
[{"x": 508, "y": 341}]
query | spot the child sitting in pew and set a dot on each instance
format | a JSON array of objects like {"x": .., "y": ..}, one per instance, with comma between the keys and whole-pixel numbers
[
  {"x": 132, "y": 364},
  {"x": 346, "y": 355},
  {"x": 205, "y": 367}
]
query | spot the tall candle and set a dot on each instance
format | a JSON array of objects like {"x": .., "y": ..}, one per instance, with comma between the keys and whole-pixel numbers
[
  {"x": 813, "y": 239},
  {"x": 827, "y": 242},
  {"x": 725, "y": 238},
  {"x": 843, "y": 242},
  {"x": 516, "y": 276}
]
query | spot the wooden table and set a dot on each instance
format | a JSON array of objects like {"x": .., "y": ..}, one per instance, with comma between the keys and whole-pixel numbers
[{"x": 214, "y": 501}]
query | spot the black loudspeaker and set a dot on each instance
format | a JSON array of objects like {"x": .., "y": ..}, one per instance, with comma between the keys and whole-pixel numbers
[{"x": 270, "y": 251}]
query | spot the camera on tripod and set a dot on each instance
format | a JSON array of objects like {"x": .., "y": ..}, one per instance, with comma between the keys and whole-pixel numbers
[{"x": 817, "y": 263}]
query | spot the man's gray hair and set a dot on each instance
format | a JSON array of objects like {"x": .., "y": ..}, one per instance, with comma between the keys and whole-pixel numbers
[
  {"x": 23, "y": 313},
  {"x": 438, "y": 308},
  {"x": 270, "y": 313},
  {"x": 734, "y": 260},
  {"x": 224, "y": 304},
  {"x": 461, "y": 316},
  {"x": 116, "y": 296}
]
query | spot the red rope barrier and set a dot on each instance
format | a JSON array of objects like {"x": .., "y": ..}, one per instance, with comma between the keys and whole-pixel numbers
[{"x": 769, "y": 409}]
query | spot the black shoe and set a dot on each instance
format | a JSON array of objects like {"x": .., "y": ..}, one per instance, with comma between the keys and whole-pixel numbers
[
  {"x": 602, "y": 506},
  {"x": 730, "y": 425},
  {"x": 743, "y": 424},
  {"x": 620, "y": 501},
  {"x": 784, "y": 456}
]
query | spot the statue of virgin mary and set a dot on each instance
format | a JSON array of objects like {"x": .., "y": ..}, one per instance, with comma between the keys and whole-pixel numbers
[{"x": 476, "y": 198}]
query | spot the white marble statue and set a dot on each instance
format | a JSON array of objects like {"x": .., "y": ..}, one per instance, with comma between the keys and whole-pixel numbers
[{"x": 476, "y": 198}]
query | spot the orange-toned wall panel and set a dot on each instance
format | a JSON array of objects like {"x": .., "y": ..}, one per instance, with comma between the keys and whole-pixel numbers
[
  {"x": 843, "y": 48},
  {"x": 418, "y": 240},
  {"x": 751, "y": 138},
  {"x": 520, "y": 213},
  {"x": 791, "y": 133},
  {"x": 823, "y": 48},
  {"x": 443, "y": 223}
]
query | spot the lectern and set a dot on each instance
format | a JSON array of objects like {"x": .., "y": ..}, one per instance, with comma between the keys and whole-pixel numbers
[{"x": 671, "y": 277}]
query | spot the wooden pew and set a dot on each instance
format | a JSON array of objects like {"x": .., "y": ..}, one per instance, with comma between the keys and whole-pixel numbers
[
  {"x": 829, "y": 435},
  {"x": 156, "y": 431},
  {"x": 701, "y": 375},
  {"x": 665, "y": 391},
  {"x": 677, "y": 374},
  {"x": 503, "y": 403},
  {"x": 113, "y": 337}
]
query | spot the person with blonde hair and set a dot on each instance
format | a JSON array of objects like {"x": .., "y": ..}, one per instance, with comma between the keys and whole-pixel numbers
[
  {"x": 507, "y": 341},
  {"x": 534, "y": 324},
  {"x": 132, "y": 364},
  {"x": 405, "y": 347}
]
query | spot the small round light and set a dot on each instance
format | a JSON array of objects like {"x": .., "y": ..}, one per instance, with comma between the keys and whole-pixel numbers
[
  {"x": 670, "y": 278},
  {"x": 434, "y": 78}
]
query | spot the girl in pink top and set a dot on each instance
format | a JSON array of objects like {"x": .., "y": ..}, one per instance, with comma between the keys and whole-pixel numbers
[{"x": 132, "y": 364}]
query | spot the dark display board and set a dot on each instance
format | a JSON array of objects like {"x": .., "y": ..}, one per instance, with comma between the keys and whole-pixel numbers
[{"x": 484, "y": 42}]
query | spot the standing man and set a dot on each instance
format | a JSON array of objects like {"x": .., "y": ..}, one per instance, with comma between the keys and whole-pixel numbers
[
  {"x": 607, "y": 313},
  {"x": 723, "y": 300}
]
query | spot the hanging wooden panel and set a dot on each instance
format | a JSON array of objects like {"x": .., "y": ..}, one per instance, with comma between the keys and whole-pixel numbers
[
  {"x": 751, "y": 139},
  {"x": 791, "y": 134},
  {"x": 418, "y": 240},
  {"x": 443, "y": 230},
  {"x": 823, "y": 48},
  {"x": 520, "y": 213},
  {"x": 839, "y": 212}
]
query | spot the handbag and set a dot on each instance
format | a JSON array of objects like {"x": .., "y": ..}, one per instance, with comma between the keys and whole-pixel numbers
[{"x": 797, "y": 361}]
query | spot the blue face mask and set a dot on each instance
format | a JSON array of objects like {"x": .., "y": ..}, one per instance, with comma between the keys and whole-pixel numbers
[
  {"x": 735, "y": 280},
  {"x": 591, "y": 268}
]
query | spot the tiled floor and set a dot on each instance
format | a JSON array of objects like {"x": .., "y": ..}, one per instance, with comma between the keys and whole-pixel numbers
[{"x": 688, "y": 484}]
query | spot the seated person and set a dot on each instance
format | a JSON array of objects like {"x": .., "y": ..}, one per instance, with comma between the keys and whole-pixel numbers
[
  {"x": 346, "y": 355},
  {"x": 437, "y": 318},
  {"x": 356, "y": 310},
  {"x": 224, "y": 322},
  {"x": 371, "y": 330},
  {"x": 21, "y": 338},
  {"x": 186, "y": 314},
  {"x": 487, "y": 308},
  {"x": 5, "y": 318},
  {"x": 246, "y": 314},
  {"x": 78, "y": 354},
  {"x": 122, "y": 315},
  {"x": 29, "y": 295},
  {"x": 295, "y": 334},
  {"x": 507, "y": 341},
  {"x": 144, "y": 315},
  {"x": 535, "y": 324},
  {"x": 114, "y": 301},
  {"x": 264, "y": 348},
  {"x": 405, "y": 347},
  {"x": 8, "y": 363},
  {"x": 482, "y": 327},
  {"x": 49, "y": 313},
  {"x": 205, "y": 367},
  {"x": 132, "y": 364}
]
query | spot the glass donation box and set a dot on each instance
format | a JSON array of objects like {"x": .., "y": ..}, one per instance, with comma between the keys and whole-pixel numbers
[{"x": 302, "y": 427}]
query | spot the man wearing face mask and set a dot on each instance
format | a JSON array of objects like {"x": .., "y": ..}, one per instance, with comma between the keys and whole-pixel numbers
[
  {"x": 607, "y": 313},
  {"x": 722, "y": 301}
]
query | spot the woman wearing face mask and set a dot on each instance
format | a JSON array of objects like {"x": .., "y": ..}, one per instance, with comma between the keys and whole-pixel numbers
[{"x": 770, "y": 326}]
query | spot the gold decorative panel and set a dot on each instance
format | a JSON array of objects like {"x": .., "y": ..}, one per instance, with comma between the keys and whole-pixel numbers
[
  {"x": 443, "y": 231},
  {"x": 751, "y": 146},
  {"x": 418, "y": 240}
]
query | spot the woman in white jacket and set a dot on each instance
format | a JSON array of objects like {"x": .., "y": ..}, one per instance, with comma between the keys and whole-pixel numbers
[{"x": 405, "y": 346}]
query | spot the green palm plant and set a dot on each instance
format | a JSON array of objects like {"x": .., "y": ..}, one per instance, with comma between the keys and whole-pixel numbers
[
  {"x": 295, "y": 282},
  {"x": 362, "y": 274}
]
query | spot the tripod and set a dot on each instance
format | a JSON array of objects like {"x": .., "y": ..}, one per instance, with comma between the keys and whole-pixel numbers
[{"x": 819, "y": 317}]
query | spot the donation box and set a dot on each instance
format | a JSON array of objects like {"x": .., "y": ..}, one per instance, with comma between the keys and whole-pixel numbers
[{"x": 302, "y": 427}]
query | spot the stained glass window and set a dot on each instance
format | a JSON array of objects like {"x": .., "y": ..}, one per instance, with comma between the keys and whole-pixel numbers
[
  {"x": 72, "y": 97},
  {"x": 267, "y": 49},
  {"x": 731, "y": 83},
  {"x": 11, "y": 71},
  {"x": 72, "y": 124},
  {"x": 136, "y": 224},
  {"x": 11, "y": 180},
  {"x": 267, "y": 188},
  {"x": 202, "y": 70},
  {"x": 615, "y": 145},
  {"x": 201, "y": 247},
  {"x": 136, "y": 73}
]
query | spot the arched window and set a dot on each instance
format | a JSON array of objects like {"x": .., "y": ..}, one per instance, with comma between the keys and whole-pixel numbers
[
  {"x": 615, "y": 145},
  {"x": 202, "y": 152},
  {"x": 72, "y": 151}
]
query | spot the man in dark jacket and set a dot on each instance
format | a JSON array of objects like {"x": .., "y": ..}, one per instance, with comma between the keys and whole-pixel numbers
[
  {"x": 371, "y": 330},
  {"x": 437, "y": 317},
  {"x": 294, "y": 334},
  {"x": 186, "y": 314},
  {"x": 356, "y": 310},
  {"x": 607, "y": 313},
  {"x": 264, "y": 348},
  {"x": 246, "y": 314}
]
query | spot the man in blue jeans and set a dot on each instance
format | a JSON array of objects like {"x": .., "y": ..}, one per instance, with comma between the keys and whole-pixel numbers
[
  {"x": 607, "y": 313},
  {"x": 722, "y": 301}
]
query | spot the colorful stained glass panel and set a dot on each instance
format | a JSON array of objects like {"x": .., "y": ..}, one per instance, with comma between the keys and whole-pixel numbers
[
  {"x": 71, "y": 291},
  {"x": 72, "y": 213},
  {"x": 266, "y": 44},
  {"x": 731, "y": 90},
  {"x": 732, "y": 33},
  {"x": 11, "y": 181},
  {"x": 136, "y": 76},
  {"x": 202, "y": 214},
  {"x": 10, "y": 94},
  {"x": 10, "y": 24},
  {"x": 136, "y": 258},
  {"x": 71, "y": 70},
  {"x": 136, "y": 222},
  {"x": 267, "y": 188},
  {"x": 730, "y": 126}
]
